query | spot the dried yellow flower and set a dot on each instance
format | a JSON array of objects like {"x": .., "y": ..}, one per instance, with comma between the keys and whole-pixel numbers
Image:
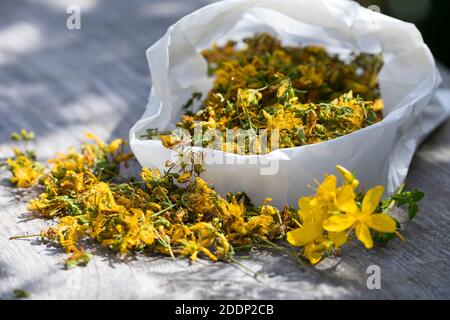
[
  {"x": 177, "y": 213},
  {"x": 299, "y": 95}
]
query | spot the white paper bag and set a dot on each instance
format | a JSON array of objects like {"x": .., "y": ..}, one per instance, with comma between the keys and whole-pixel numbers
[{"x": 379, "y": 154}]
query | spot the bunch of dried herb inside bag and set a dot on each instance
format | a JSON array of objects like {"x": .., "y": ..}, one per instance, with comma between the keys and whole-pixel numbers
[
  {"x": 304, "y": 93},
  {"x": 177, "y": 213}
]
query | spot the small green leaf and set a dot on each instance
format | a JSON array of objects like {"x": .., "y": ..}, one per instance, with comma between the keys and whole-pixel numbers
[
  {"x": 417, "y": 195},
  {"x": 16, "y": 136},
  {"x": 412, "y": 210},
  {"x": 83, "y": 260},
  {"x": 401, "y": 199},
  {"x": 380, "y": 237},
  {"x": 411, "y": 198},
  {"x": 190, "y": 102},
  {"x": 19, "y": 293},
  {"x": 70, "y": 264}
]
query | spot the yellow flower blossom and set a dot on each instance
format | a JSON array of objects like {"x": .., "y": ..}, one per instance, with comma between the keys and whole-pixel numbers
[
  {"x": 282, "y": 120},
  {"x": 115, "y": 145},
  {"x": 312, "y": 215},
  {"x": 169, "y": 141},
  {"x": 348, "y": 176},
  {"x": 25, "y": 172},
  {"x": 184, "y": 177},
  {"x": 313, "y": 211},
  {"x": 361, "y": 219}
]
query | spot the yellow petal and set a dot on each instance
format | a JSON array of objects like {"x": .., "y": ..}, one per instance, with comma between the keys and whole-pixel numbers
[
  {"x": 115, "y": 144},
  {"x": 382, "y": 223},
  {"x": 303, "y": 202},
  {"x": 348, "y": 176},
  {"x": 314, "y": 252},
  {"x": 338, "y": 238},
  {"x": 371, "y": 199},
  {"x": 92, "y": 136},
  {"x": 294, "y": 237},
  {"x": 363, "y": 234},
  {"x": 208, "y": 253},
  {"x": 300, "y": 237},
  {"x": 355, "y": 183},
  {"x": 305, "y": 209},
  {"x": 328, "y": 187},
  {"x": 168, "y": 141},
  {"x": 184, "y": 177},
  {"x": 345, "y": 200},
  {"x": 339, "y": 223},
  {"x": 378, "y": 105}
]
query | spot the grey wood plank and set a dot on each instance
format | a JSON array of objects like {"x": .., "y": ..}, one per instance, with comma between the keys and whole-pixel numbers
[{"x": 61, "y": 83}]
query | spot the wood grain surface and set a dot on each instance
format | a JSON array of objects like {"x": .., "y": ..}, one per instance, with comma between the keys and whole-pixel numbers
[{"x": 61, "y": 83}]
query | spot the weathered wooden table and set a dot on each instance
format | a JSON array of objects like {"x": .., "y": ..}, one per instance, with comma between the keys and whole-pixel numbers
[{"x": 61, "y": 82}]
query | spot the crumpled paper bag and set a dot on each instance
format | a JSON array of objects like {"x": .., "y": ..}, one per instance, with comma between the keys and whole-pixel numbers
[{"x": 379, "y": 154}]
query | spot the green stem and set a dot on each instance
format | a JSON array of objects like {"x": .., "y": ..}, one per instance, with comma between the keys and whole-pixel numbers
[
  {"x": 293, "y": 254},
  {"x": 400, "y": 189},
  {"x": 234, "y": 260},
  {"x": 24, "y": 236},
  {"x": 164, "y": 210},
  {"x": 393, "y": 202}
]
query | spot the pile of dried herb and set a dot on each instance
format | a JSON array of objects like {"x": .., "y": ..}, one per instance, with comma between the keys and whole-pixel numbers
[
  {"x": 177, "y": 213},
  {"x": 304, "y": 93}
]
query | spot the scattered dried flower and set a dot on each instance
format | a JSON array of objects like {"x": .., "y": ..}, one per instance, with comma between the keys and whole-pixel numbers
[{"x": 177, "y": 213}]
